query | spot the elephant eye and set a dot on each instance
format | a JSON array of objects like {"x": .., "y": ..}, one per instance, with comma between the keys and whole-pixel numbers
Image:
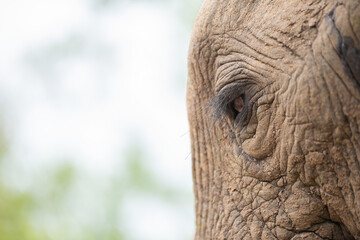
[
  {"x": 238, "y": 105},
  {"x": 239, "y": 110},
  {"x": 232, "y": 102}
]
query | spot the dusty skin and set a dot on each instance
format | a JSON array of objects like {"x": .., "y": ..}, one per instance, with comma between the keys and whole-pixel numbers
[{"x": 283, "y": 161}]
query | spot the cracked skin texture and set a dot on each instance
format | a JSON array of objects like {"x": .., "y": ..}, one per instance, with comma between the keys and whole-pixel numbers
[{"x": 291, "y": 169}]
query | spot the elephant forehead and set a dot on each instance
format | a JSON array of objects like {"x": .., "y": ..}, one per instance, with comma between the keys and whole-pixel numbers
[{"x": 287, "y": 25}]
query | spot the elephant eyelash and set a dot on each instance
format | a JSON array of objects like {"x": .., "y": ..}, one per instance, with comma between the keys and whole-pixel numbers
[{"x": 221, "y": 104}]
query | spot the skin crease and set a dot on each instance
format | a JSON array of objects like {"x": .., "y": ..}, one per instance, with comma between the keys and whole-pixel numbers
[{"x": 288, "y": 165}]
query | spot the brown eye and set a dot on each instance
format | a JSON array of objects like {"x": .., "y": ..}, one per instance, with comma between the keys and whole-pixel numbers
[{"x": 238, "y": 104}]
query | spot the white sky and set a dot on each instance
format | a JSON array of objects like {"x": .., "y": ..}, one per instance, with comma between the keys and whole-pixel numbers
[{"x": 120, "y": 86}]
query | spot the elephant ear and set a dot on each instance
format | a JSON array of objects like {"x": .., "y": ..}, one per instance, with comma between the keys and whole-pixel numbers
[
  {"x": 347, "y": 23},
  {"x": 336, "y": 50}
]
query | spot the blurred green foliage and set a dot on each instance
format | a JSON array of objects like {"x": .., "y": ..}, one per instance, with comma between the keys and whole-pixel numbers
[
  {"x": 15, "y": 208},
  {"x": 25, "y": 215}
]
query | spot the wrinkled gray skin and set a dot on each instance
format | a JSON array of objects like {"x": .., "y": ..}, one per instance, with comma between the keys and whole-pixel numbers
[{"x": 287, "y": 166}]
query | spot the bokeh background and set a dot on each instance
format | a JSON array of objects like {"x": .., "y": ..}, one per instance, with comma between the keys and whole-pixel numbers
[{"x": 94, "y": 139}]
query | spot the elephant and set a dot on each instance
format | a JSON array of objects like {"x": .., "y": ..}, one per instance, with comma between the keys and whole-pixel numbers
[{"x": 273, "y": 102}]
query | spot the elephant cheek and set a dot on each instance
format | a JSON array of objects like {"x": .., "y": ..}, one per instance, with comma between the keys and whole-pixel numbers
[{"x": 262, "y": 145}]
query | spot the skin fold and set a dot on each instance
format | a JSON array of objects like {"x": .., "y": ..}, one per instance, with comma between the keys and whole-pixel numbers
[{"x": 284, "y": 163}]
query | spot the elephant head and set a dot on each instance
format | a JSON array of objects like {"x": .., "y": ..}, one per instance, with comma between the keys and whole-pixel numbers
[{"x": 273, "y": 100}]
